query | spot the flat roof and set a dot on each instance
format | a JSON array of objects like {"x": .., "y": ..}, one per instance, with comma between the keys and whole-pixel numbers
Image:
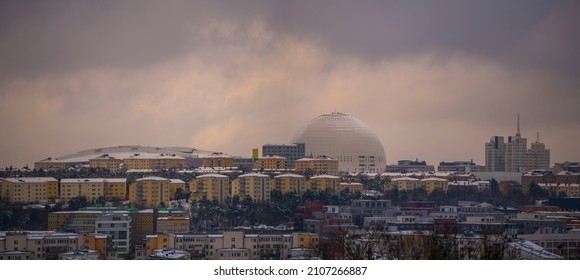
[
  {"x": 94, "y": 180},
  {"x": 31, "y": 179}
]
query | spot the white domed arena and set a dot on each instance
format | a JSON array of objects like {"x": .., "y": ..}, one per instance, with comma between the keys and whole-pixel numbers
[{"x": 345, "y": 138}]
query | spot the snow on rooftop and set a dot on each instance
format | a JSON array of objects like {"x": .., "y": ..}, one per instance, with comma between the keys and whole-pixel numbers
[
  {"x": 212, "y": 175},
  {"x": 434, "y": 179},
  {"x": 289, "y": 175},
  {"x": 94, "y": 180},
  {"x": 152, "y": 178},
  {"x": 557, "y": 185},
  {"x": 536, "y": 172},
  {"x": 176, "y": 181},
  {"x": 405, "y": 179},
  {"x": 124, "y": 151},
  {"x": 325, "y": 176},
  {"x": 31, "y": 179},
  {"x": 463, "y": 183},
  {"x": 216, "y": 155},
  {"x": 322, "y": 157},
  {"x": 166, "y": 253},
  {"x": 255, "y": 175},
  {"x": 140, "y": 171},
  {"x": 533, "y": 249},
  {"x": 272, "y": 157}
]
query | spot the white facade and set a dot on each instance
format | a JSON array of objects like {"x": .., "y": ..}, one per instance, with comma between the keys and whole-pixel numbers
[
  {"x": 345, "y": 138},
  {"x": 118, "y": 227},
  {"x": 495, "y": 154}
]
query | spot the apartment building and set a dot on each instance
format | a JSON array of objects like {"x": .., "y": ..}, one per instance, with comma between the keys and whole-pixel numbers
[
  {"x": 403, "y": 184},
  {"x": 292, "y": 152},
  {"x": 350, "y": 186},
  {"x": 234, "y": 245},
  {"x": 173, "y": 224},
  {"x": 51, "y": 164},
  {"x": 271, "y": 163},
  {"x": 218, "y": 160},
  {"x": 151, "y": 192},
  {"x": 287, "y": 183},
  {"x": 118, "y": 227},
  {"x": 211, "y": 187},
  {"x": 322, "y": 183},
  {"x": 319, "y": 165},
  {"x": 37, "y": 245},
  {"x": 154, "y": 161},
  {"x": 102, "y": 243},
  {"x": 256, "y": 186},
  {"x": 83, "y": 221},
  {"x": 106, "y": 162},
  {"x": 430, "y": 184},
  {"x": 29, "y": 189},
  {"x": 570, "y": 190}
]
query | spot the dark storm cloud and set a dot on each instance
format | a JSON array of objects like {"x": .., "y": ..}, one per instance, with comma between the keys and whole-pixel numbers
[
  {"x": 53, "y": 36},
  {"x": 378, "y": 29},
  {"x": 40, "y": 37},
  {"x": 225, "y": 75}
]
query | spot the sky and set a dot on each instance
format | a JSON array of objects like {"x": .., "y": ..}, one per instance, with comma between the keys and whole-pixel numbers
[{"x": 434, "y": 79}]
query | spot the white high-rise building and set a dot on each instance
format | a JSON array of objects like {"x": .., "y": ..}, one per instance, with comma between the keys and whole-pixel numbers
[
  {"x": 538, "y": 155},
  {"x": 513, "y": 155},
  {"x": 516, "y": 152},
  {"x": 495, "y": 154}
]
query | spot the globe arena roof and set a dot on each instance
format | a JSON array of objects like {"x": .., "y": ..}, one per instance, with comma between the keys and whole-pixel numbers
[{"x": 345, "y": 138}]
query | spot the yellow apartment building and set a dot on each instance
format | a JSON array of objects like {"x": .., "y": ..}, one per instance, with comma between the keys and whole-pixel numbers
[
  {"x": 150, "y": 192},
  {"x": 217, "y": 160},
  {"x": 305, "y": 240},
  {"x": 99, "y": 242},
  {"x": 271, "y": 163},
  {"x": 106, "y": 162},
  {"x": 351, "y": 187},
  {"x": 571, "y": 190},
  {"x": 116, "y": 188},
  {"x": 211, "y": 187},
  {"x": 321, "y": 183},
  {"x": 287, "y": 183},
  {"x": 318, "y": 165},
  {"x": 430, "y": 184},
  {"x": 50, "y": 164},
  {"x": 174, "y": 185},
  {"x": 29, "y": 189},
  {"x": 173, "y": 224},
  {"x": 154, "y": 161},
  {"x": 158, "y": 241},
  {"x": 255, "y": 185},
  {"x": 92, "y": 188},
  {"x": 403, "y": 184}
]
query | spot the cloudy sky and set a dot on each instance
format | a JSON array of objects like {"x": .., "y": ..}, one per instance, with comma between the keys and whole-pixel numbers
[{"x": 434, "y": 79}]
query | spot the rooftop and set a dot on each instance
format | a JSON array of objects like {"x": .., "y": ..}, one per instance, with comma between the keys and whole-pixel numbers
[
  {"x": 31, "y": 180},
  {"x": 94, "y": 180},
  {"x": 152, "y": 178}
]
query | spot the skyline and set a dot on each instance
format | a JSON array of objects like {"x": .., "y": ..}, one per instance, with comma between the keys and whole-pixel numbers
[{"x": 228, "y": 76}]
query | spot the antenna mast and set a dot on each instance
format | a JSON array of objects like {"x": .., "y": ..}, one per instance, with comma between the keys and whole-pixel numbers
[{"x": 518, "y": 132}]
